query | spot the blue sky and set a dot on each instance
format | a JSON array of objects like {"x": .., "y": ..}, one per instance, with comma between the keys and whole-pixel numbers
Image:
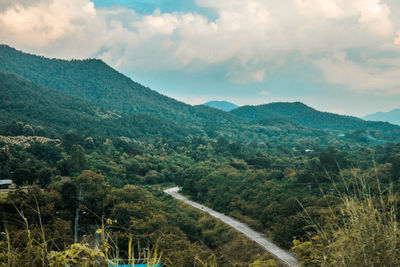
[
  {"x": 166, "y": 6},
  {"x": 338, "y": 56}
]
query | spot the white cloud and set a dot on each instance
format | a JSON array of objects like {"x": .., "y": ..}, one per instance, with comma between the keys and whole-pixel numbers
[
  {"x": 66, "y": 27},
  {"x": 371, "y": 14},
  {"x": 37, "y": 25},
  {"x": 375, "y": 16},
  {"x": 259, "y": 75},
  {"x": 156, "y": 24},
  {"x": 248, "y": 39},
  {"x": 397, "y": 39},
  {"x": 326, "y": 8},
  {"x": 339, "y": 69}
]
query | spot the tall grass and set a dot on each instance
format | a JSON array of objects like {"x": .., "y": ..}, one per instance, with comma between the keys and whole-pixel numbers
[
  {"x": 362, "y": 230},
  {"x": 28, "y": 246}
]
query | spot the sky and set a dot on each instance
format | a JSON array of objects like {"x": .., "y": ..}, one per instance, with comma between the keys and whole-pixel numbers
[{"x": 340, "y": 56}]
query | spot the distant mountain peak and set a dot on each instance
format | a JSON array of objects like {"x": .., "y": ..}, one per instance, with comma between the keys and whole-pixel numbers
[
  {"x": 392, "y": 116},
  {"x": 288, "y": 104},
  {"x": 222, "y": 105},
  {"x": 309, "y": 117}
]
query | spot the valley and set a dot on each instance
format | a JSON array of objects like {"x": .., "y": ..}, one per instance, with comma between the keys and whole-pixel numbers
[{"x": 286, "y": 170}]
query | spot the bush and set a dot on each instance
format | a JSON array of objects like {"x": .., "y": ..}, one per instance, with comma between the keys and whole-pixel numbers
[{"x": 362, "y": 231}]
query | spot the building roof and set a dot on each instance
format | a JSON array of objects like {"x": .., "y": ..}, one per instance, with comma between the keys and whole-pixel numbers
[{"x": 3, "y": 182}]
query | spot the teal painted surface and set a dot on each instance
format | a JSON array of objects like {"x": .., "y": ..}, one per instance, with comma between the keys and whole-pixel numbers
[{"x": 136, "y": 265}]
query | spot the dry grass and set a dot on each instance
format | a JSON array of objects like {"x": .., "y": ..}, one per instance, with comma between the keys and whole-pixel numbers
[
  {"x": 30, "y": 247},
  {"x": 26, "y": 141},
  {"x": 362, "y": 231}
]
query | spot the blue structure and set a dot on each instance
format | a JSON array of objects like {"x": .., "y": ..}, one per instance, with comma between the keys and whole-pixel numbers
[{"x": 136, "y": 265}]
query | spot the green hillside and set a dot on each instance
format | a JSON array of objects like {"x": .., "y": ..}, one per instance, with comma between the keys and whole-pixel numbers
[
  {"x": 144, "y": 112},
  {"x": 312, "y": 118},
  {"x": 22, "y": 100},
  {"x": 141, "y": 110},
  {"x": 281, "y": 168},
  {"x": 94, "y": 81},
  {"x": 40, "y": 107}
]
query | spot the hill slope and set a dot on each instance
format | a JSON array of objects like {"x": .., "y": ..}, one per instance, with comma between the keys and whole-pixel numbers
[
  {"x": 307, "y": 116},
  {"x": 222, "y": 105},
  {"x": 22, "y": 100},
  {"x": 94, "y": 81},
  {"x": 392, "y": 116}
]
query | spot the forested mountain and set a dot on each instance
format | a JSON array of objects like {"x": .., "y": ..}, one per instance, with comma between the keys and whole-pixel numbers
[
  {"x": 276, "y": 167},
  {"x": 222, "y": 105},
  {"x": 307, "y": 116},
  {"x": 392, "y": 116},
  {"x": 22, "y": 100},
  {"x": 94, "y": 81},
  {"x": 92, "y": 98},
  {"x": 51, "y": 113}
]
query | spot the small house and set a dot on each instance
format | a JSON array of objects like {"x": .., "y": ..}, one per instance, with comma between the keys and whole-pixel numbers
[{"x": 4, "y": 184}]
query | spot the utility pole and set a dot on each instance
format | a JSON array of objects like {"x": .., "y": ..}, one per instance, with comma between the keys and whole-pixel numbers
[{"x": 76, "y": 226}]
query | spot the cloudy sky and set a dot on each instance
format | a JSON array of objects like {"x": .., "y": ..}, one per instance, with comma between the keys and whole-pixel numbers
[{"x": 341, "y": 56}]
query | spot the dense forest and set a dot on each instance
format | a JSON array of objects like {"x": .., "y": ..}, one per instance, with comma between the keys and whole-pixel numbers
[
  {"x": 307, "y": 116},
  {"x": 77, "y": 137}
]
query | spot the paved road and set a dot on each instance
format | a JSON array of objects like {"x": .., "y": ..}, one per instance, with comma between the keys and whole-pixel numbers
[{"x": 280, "y": 253}]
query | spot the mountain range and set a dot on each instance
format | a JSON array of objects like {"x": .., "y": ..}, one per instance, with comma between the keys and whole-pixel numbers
[
  {"x": 307, "y": 116},
  {"x": 94, "y": 81},
  {"x": 222, "y": 105},
  {"x": 392, "y": 116},
  {"x": 90, "y": 96}
]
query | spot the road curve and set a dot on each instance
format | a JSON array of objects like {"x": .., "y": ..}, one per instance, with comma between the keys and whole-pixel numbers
[{"x": 283, "y": 255}]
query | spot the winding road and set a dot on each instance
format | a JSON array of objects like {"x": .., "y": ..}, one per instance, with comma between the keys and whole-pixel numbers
[{"x": 284, "y": 255}]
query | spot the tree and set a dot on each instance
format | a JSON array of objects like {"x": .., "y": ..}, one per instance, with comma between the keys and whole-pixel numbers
[
  {"x": 21, "y": 176},
  {"x": 70, "y": 139},
  {"x": 78, "y": 159},
  {"x": 93, "y": 189},
  {"x": 5, "y": 157},
  {"x": 49, "y": 151},
  {"x": 44, "y": 177}
]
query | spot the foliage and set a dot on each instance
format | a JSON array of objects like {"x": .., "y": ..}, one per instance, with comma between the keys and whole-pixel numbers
[
  {"x": 309, "y": 117},
  {"x": 81, "y": 138},
  {"x": 96, "y": 100},
  {"x": 363, "y": 230},
  {"x": 77, "y": 255},
  {"x": 94, "y": 81},
  {"x": 141, "y": 219},
  {"x": 51, "y": 113}
]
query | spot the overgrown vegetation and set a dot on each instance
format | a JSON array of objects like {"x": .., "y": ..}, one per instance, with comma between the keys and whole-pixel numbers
[
  {"x": 38, "y": 228},
  {"x": 362, "y": 230},
  {"x": 108, "y": 158}
]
